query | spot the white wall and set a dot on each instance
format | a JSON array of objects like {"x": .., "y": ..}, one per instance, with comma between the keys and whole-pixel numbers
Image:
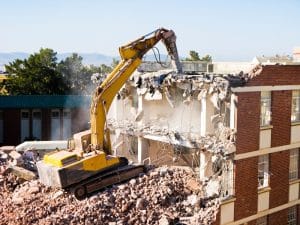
[
  {"x": 232, "y": 67},
  {"x": 182, "y": 118}
]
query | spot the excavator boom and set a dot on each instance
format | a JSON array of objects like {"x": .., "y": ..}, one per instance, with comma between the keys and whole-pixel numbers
[{"x": 131, "y": 57}]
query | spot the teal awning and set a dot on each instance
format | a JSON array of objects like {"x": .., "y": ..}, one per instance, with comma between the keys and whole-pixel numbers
[{"x": 45, "y": 101}]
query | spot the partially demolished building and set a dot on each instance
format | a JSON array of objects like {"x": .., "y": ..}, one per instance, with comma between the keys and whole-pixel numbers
[{"x": 239, "y": 131}]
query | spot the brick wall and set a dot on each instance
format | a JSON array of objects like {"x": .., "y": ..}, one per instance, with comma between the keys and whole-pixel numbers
[
  {"x": 279, "y": 162},
  {"x": 279, "y": 179},
  {"x": 12, "y": 126},
  {"x": 46, "y": 124},
  {"x": 278, "y": 218},
  {"x": 162, "y": 153},
  {"x": 217, "y": 221},
  {"x": 248, "y": 129},
  {"x": 298, "y": 214},
  {"x": 246, "y": 188},
  {"x": 254, "y": 222},
  {"x": 248, "y": 114},
  {"x": 281, "y": 117},
  {"x": 248, "y": 124},
  {"x": 277, "y": 75}
]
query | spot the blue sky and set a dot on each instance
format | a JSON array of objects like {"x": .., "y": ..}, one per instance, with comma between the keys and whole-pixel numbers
[{"x": 226, "y": 29}]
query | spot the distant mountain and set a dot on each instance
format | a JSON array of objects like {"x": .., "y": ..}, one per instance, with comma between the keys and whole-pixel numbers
[
  {"x": 88, "y": 58},
  {"x": 5, "y": 58}
]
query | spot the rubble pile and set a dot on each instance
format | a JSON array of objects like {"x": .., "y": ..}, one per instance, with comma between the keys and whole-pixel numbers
[{"x": 165, "y": 195}]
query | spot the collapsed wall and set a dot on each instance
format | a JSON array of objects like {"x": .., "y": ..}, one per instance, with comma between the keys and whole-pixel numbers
[{"x": 179, "y": 119}]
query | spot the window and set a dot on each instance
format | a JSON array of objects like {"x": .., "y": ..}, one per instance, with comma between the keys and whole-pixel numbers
[
  {"x": 36, "y": 114},
  {"x": 55, "y": 125},
  {"x": 67, "y": 133},
  {"x": 292, "y": 216},
  {"x": 37, "y": 124},
  {"x": 294, "y": 159},
  {"x": 265, "y": 108},
  {"x": 25, "y": 130},
  {"x": 67, "y": 113},
  {"x": 296, "y": 106},
  {"x": 227, "y": 180},
  {"x": 263, "y": 171},
  {"x": 262, "y": 221},
  {"x": 55, "y": 114},
  {"x": 25, "y": 114}
]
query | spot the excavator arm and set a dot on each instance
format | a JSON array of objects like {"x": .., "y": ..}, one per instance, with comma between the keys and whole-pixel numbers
[
  {"x": 131, "y": 57},
  {"x": 83, "y": 171}
]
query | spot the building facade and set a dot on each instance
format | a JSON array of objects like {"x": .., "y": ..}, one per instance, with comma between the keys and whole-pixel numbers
[
  {"x": 42, "y": 117},
  {"x": 266, "y": 161},
  {"x": 243, "y": 130}
]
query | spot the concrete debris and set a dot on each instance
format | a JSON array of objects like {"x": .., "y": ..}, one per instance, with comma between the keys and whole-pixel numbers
[
  {"x": 218, "y": 84},
  {"x": 183, "y": 91},
  {"x": 159, "y": 197},
  {"x": 224, "y": 138},
  {"x": 254, "y": 72},
  {"x": 193, "y": 185},
  {"x": 17, "y": 163},
  {"x": 3, "y": 156},
  {"x": 21, "y": 172},
  {"x": 212, "y": 188},
  {"x": 155, "y": 95},
  {"x": 139, "y": 116},
  {"x": 15, "y": 158},
  {"x": 7, "y": 149}
]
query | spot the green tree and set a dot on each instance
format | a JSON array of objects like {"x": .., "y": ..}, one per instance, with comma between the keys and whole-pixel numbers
[
  {"x": 75, "y": 75},
  {"x": 103, "y": 69},
  {"x": 114, "y": 63},
  {"x": 206, "y": 58},
  {"x": 36, "y": 75},
  {"x": 78, "y": 76},
  {"x": 194, "y": 56}
]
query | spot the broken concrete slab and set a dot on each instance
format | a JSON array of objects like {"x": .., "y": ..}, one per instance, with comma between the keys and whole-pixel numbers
[
  {"x": 7, "y": 149},
  {"x": 22, "y": 172}
]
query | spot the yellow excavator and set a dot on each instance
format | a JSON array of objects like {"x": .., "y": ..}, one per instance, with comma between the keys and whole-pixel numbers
[{"x": 88, "y": 164}]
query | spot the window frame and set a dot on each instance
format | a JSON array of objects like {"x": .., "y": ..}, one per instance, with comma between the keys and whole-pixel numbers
[
  {"x": 25, "y": 112},
  {"x": 265, "y": 108},
  {"x": 35, "y": 112},
  {"x": 227, "y": 189},
  {"x": 262, "y": 220},
  {"x": 294, "y": 164},
  {"x": 55, "y": 113},
  {"x": 292, "y": 216},
  {"x": 67, "y": 113},
  {"x": 295, "y": 111},
  {"x": 263, "y": 171}
]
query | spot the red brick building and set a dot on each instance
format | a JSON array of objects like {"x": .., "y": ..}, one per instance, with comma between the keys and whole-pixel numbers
[
  {"x": 266, "y": 162},
  {"x": 41, "y": 117}
]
